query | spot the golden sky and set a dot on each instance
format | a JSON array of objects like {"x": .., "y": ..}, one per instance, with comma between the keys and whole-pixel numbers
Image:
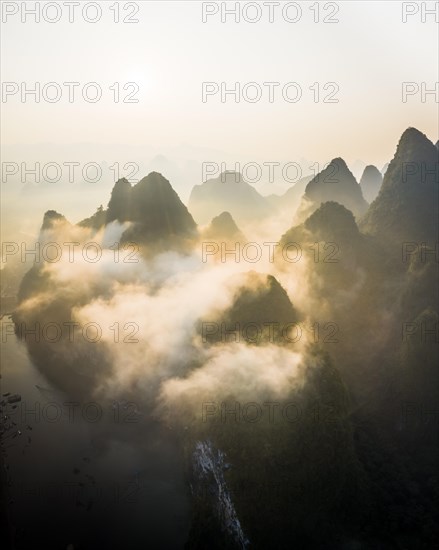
[{"x": 368, "y": 54}]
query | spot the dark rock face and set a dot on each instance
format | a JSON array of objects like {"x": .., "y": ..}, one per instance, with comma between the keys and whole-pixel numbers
[
  {"x": 51, "y": 217},
  {"x": 260, "y": 313},
  {"x": 335, "y": 183},
  {"x": 158, "y": 218},
  {"x": 332, "y": 221},
  {"x": 229, "y": 192},
  {"x": 406, "y": 207},
  {"x": 98, "y": 220},
  {"x": 157, "y": 212},
  {"x": 293, "y": 466},
  {"x": 335, "y": 249},
  {"x": 221, "y": 527},
  {"x": 119, "y": 207},
  {"x": 370, "y": 182}
]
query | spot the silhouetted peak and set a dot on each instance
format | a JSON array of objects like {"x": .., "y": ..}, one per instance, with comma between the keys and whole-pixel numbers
[
  {"x": 407, "y": 205},
  {"x": 122, "y": 183},
  {"x": 335, "y": 172},
  {"x": 411, "y": 141},
  {"x": 340, "y": 163},
  {"x": 411, "y": 134},
  {"x": 371, "y": 171},
  {"x": 415, "y": 154},
  {"x": 224, "y": 221},
  {"x": 334, "y": 183},
  {"x": 332, "y": 219},
  {"x": 157, "y": 213},
  {"x": 153, "y": 179},
  {"x": 50, "y": 218},
  {"x": 224, "y": 227},
  {"x": 337, "y": 166},
  {"x": 120, "y": 201},
  {"x": 259, "y": 299},
  {"x": 154, "y": 192}
]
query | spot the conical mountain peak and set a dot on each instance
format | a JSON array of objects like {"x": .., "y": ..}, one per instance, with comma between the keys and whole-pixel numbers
[
  {"x": 51, "y": 217},
  {"x": 406, "y": 207},
  {"x": 410, "y": 139},
  {"x": 334, "y": 183},
  {"x": 223, "y": 227}
]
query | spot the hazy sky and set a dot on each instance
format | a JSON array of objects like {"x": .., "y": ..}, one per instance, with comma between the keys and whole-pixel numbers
[{"x": 170, "y": 52}]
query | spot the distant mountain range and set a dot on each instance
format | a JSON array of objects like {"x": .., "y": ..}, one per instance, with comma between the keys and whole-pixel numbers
[
  {"x": 290, "y": 200},
  {"x": 370, "y": 182},
  {"x": 228, "y": 192},
  {"x": 404, "y": 204}
]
